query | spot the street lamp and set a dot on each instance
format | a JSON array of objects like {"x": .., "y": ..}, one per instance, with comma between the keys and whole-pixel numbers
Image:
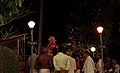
[
  {"x": 93, "y": 49},
  {"x": 100, "y": 30},
  {"x": 31, "y": 24}
]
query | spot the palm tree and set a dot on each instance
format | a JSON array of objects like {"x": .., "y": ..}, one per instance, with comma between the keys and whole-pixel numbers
[{"x": 40, "y": 26}]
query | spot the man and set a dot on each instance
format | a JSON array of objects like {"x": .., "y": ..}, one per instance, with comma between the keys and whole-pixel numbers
[
  {"x": 61, "y": 61},
  {"x": 99, "y": 63},
  {"x": 72, "y": 61},
  {"x": 52, "y": 44},
  {"x": 34, "y": 57},
  {"x": 89, "y": 66},
  {"x": 72, "y": 65},
  {"x": 115, "y": 66},
  {"x": 44, "y": 62}
]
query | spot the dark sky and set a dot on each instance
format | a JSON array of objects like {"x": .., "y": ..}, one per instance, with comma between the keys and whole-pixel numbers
[{"x": 57, "y": 14}]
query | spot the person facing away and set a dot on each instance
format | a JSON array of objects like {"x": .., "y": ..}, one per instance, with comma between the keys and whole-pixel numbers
[
  {"x": 115, "y": 66},
  {"x": 89, "y": 66},
  {"x": 78, "y": 64},
  {"x": 52, "y": 44},
  {"x": 72, "y": 64},
  {"x": 54, "y": 52},
  {"x": 44, "y": 62},
  {"x": 34, "y": 57},
  {"x": 99, "y": 63},
  {"x": 61, "y": 61}
]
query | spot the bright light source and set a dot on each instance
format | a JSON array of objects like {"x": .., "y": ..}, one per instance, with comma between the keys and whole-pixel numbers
[
  {"x": 93, "y": 49},
  {"x": 31, "y": 24},
  {"x": 100, "y": 29}
]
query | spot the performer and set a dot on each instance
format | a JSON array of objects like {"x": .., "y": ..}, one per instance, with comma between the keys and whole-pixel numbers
[
  {"x": 49, "y": 49},
  {"x": 52, "y": 44}
]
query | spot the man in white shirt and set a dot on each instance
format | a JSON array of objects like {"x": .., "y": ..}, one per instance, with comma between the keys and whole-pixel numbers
[
  {"x": 72, "y": 65},
  {"x": 61, "y": 61},
  {"x": 115, "y": 65},
  {"x": 99, "y": 63},
  {"x": 89, "y": 66},
  {"x": 34, "y": 57}
]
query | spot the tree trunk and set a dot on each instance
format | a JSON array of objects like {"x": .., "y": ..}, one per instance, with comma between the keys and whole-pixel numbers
[{"x": 40, "y": 26}]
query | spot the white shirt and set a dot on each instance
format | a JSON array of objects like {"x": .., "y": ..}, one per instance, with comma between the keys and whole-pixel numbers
[
  {"x": 117, "y": 68},
  {"x": 61, "y": 61},
  {"x": 72, "y": 65},
  {"x": 34, "y": 57},
  {"x": 99, "y": 66},
  {"x": 89, "y": 66}
]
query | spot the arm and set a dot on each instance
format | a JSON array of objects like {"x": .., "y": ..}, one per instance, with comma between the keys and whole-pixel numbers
[
  {"x": 90, "y": 67},
  {"x": 55, "y": 64}
]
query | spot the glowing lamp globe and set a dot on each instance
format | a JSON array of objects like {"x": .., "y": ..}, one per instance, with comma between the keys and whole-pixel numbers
[
  {"x": 31, "y": 24},
  {"x": 93, "y": 49},
  {"x": 100, "y": 29}
]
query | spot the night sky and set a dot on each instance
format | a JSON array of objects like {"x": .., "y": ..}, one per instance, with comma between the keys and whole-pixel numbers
[{"x": 58, "y": 14}]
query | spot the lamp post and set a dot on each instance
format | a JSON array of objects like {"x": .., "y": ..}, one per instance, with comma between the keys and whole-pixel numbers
[
  {"x": 93, "y": 49},
  {"x": 31, "y": 24},
  {"x": 100, "y": 30}
]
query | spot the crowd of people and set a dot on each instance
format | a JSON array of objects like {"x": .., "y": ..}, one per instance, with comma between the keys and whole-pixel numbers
[{"x": 58, "y": 59}]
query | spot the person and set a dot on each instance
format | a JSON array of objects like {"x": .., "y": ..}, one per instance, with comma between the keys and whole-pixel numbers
[
  {"x": 99, "y": 63},
  {"x": 44, "y": 62},
  {"x": 72, "y": 61},
  {"x": 54, "y": 52},
  {"x": 78, "y": 64},
  {"x": 34, "y": 57},
  {"x": 72, "y": 64},
  {"x": 52, "y": 44},
  {"x": 61, "y": 61},
  {"x": 115, "y": 66},
  {"x": 108, "y": 65},
  {"x": 89, "y": 66}
]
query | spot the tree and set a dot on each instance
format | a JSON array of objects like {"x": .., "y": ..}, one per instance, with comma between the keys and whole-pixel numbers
[
  {"x": 9, "y": 10},
  {"x": 40, "y": 25},
  {"x": 82, "y": 32}
]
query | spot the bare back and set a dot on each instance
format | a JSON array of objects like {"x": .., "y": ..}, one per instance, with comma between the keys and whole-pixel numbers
[{"x": 44, "y": 61}]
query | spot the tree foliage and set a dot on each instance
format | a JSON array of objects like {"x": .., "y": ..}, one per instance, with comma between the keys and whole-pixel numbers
[
  {"x": 11, "y": 10},
  {"x": 82, "y": 31}
]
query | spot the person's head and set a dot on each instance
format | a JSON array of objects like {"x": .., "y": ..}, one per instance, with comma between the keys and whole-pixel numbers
[
  {"x": 54, "y": 51},
  {"x": 42, "y": 51},
  {"x": 61, "y": 49},
  {"x": 52, "y": 40},
  {"x": 98, "y": 56},
  {"x": 114, "y": 61},
  {"x": 86, "y": 53},
  {"x": 77, "y": 57}
]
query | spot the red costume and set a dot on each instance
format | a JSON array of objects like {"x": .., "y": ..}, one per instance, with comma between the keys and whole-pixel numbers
[{"x": 52, "y": 44}]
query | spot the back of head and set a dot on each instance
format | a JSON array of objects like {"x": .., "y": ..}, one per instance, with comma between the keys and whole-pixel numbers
[
  {"x": 54, "y": 51},
  {"x": 41, "y": 51},
  {"x": 86, "y": 53},
  {"x": 61, "y": 49}
]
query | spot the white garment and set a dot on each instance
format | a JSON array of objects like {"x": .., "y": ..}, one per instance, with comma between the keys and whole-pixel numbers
[
  {"x": 34, "y": 71},
  {"x": 34, "y": 57},
  {"x": 99, "y": 65},
  {"x": 72, "y": 65},
  {"x": 89, "y": 66},
  {"x": 77, "y": 71},
  {"x": 61, "y": 61},
  {"x": 117, "y": 68},
  {"x": 44, "y": 71}
]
